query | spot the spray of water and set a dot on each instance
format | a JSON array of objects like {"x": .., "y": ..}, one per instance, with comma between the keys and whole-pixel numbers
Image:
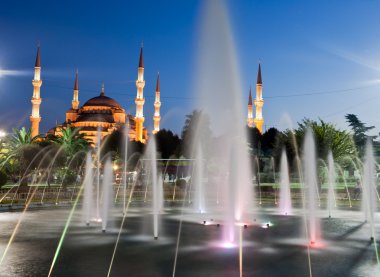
[
  {"x": 310, "y": 184},
  {"x": 199, "y": 201},
  {"x": 331, "y": 179},
  {"x": 107, "y": 193},
  {"x": 285, "y": 197},
  {"x": 88, "y": 190},
  {"x": 220, "y": 94}
]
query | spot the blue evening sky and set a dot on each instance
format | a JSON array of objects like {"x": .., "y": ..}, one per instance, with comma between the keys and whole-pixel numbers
[{"x": 319, "y": 58}]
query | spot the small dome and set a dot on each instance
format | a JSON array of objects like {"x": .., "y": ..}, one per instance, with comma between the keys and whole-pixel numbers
[{"x": 102, "y": 101}]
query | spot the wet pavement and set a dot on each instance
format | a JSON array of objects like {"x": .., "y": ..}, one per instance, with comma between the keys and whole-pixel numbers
[{"x": 280, "y": 250}]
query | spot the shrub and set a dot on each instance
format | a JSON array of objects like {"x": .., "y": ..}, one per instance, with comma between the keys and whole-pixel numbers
[
  {"x": 3, "y": 178},
  {"x": 181, "y": 183}
]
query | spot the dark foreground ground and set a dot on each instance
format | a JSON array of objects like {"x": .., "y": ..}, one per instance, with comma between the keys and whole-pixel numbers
[{"x": 276, "y": 251}]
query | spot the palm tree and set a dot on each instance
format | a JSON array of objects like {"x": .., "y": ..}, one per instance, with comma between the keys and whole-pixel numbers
[
  {"x": 70, "y": 155},
  {"x": 327, "y": 137},
  {"x": 71, "y": 141},
  {"x": 19, "y": 153}
]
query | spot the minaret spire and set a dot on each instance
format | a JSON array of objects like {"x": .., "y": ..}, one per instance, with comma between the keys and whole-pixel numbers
[
  {"x": 38, "y": 58},
  {"x": 36, "y": 99},
  {"x": 140, "y": 100},
  {"x": 102, "y": 91},
  {"x": 141, "y": 60},
  {"x": 259, "y": 102},
  {"x": 259, "y": 81},
  {"x": 75, "y": 102},
  {"x": 157, "y": 105},
  {"x": 250, "y": 120}
]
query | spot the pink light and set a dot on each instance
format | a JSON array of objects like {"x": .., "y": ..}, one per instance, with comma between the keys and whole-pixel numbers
[
  {"x": 241, "y": 224},
  {"x": 228, "y": 245},
  {"x": 316, "y": 244}
]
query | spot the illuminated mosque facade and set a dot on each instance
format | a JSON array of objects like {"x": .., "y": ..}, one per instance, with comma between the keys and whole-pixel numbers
[{"x": 100, "y": 115}]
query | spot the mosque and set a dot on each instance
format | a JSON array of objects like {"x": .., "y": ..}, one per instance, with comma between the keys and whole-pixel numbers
[{"x": 101, "y": 114}]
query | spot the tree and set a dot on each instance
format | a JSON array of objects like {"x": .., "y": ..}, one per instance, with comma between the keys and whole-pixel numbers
[
  {"x": 20, "y": 153},
  {"x": 115, "y": 143},
  {"x": 72, "y": 143},
  {"x": 359, "y": 131},
  {"x": 327, "y": 137},
  {"x": 255, "y": 140},
  {"x": 197, "y": 127},
  {"x": 269, "y": 140},
  {"x": 168, "y": 144}
]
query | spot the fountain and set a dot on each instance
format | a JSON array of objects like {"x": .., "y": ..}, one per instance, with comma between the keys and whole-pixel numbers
[
  {"x": 199, "y": 199},
  {"x": 285, "y": 202},
  {"x": 107, "y": 193},
  {"x": 155, "y": 182},
  {"x": 125, "y": 183},
  {"x": 196, "y": 249},
  {"x": 218, "y": 81},
  {"x": 310, "y": 187},
  {"x": 98, "y": 143},
  {"x": 369, "y": 190},
  {"x": 331, "y": 203},
  {"x": 88, "y": 190}
]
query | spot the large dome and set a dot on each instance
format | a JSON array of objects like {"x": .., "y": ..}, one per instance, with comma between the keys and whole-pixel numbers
[{"x": 102, "y": 100}]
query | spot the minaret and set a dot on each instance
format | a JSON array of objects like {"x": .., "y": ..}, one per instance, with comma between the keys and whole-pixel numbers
[
  {"x": 259, "y": 102},
  {"x": 75, "y": 102},
  {"x": 102, "y": 93},
  {"x": 140, "y": 83},
  {"x": 36, "y": 99},
  {"x": 157, "y": 105},
  {"x": 250, "y": 120}
]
